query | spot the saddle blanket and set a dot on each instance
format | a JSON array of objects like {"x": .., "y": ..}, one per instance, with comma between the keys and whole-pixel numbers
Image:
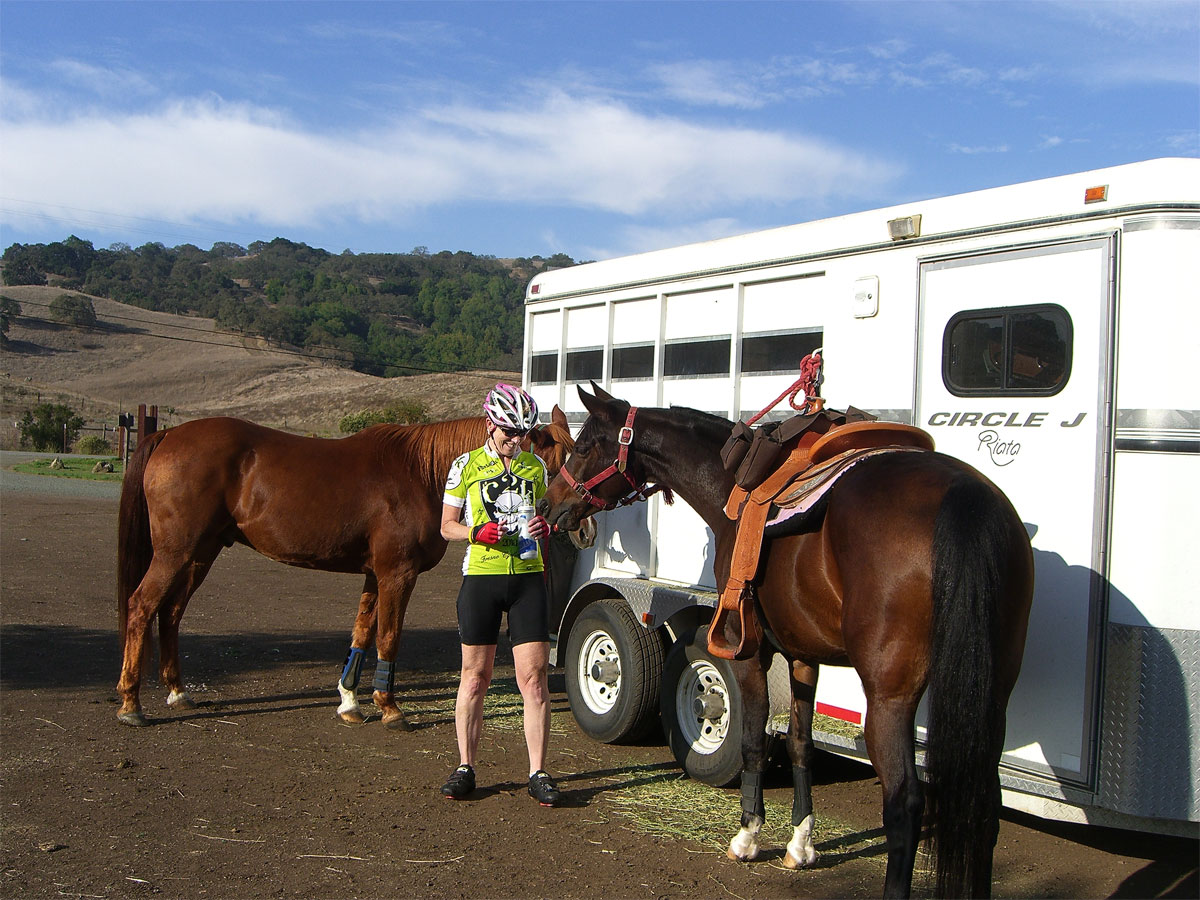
[{"x": 801, "y": 495}]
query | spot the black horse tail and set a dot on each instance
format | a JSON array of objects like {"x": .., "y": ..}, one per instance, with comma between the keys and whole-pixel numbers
[
  {"x": 134, "y": 549},
  {"x": 966, "y": 719}
]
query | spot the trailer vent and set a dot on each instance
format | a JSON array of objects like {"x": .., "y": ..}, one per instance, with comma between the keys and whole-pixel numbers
[{"x": 904, "y": 228}]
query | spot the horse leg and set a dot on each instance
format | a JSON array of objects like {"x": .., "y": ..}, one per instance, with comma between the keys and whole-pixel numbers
[
  {"x": 801, "y": 854},
  {"x": 889, "y": 735},
  {"x": 161, "y": 581},
  {"x": 395, "y": 588},
  {"x": 360, "y": 638},
  {"x": 169, "y": 616},
  {"x": 752, "y": 679}
]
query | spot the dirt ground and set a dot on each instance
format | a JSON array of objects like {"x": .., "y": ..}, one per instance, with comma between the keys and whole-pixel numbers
[{"x": 260, "y": 792}]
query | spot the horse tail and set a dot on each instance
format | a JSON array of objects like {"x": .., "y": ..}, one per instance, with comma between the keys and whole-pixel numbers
[
  {"x": 134, "y": 549},
  {"x": 966, "y": 719}
]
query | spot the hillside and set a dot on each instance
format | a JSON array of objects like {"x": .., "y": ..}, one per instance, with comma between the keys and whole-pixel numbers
[{"x": 190, "y": 368}]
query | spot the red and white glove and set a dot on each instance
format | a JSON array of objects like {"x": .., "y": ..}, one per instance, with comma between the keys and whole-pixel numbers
[
  {"x": 487, "y": 533},
  {"x": 538, "y": 528}
]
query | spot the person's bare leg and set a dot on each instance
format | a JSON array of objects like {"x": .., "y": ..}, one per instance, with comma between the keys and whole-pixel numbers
[
  {"x": 532, "y": 660},
  {"x": 477, "y": 662}
]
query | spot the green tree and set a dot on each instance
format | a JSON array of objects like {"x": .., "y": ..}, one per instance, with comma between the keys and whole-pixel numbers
[
  {"x": 49, "y": 425},
  {"x": 73, "y": 309},
  {"x": 227, "y": 250},
  {"x": 402, "y": 412},
  {"x": 9, "y": 310},
  {"x": 22, "y": 265}
]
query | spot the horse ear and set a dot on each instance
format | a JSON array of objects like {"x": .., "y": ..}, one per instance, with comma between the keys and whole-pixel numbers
[
  {"x": 601, "y": 405},
  {"x": 558, "y": 417}
]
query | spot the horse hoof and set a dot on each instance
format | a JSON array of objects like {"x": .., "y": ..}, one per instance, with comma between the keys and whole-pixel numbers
[
  {"x": 399, "y": 723},
  {"x": 351, "y": 717},
  {"x": 181, "y": 701},
  {"x": 793, "y": 862},
  {"x": 136, "y": 719}
]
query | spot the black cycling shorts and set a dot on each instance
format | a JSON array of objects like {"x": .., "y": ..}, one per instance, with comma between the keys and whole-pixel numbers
[{"x": 483, "y": 598}]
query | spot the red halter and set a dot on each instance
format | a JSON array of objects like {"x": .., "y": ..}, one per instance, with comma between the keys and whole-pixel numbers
[{"x": 638, "y": 492}]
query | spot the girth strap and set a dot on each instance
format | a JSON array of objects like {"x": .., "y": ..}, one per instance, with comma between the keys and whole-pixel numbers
[{"x": 750, "y": 510}]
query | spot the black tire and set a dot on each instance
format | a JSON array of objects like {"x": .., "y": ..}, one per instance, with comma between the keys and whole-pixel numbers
[
  {"x": 619, "y": 702},
  {"x": 702, "y": 711}
]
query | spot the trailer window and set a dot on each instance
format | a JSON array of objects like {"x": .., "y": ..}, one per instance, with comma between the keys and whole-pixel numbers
[
  {"x": 708, "y": 356},
  {"x": 778, "y": 352},
  {"x": 543, "y": 368},
  {"x": 1014, "y": 350},
  {"x": 634, "y": 362},
  {"x": 585, "y": 365}
]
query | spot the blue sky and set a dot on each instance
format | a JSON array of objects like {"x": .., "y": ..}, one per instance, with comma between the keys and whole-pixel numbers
[{"x": 591, "y": 129}]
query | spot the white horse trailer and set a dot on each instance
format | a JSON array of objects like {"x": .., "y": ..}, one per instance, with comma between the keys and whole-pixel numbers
[{"x": 1046, "y": 333}]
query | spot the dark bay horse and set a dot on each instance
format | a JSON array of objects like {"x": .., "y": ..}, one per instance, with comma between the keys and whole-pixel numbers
[
  {"x": 916, "y": 570},
  {"x": 370, "y": 503}
]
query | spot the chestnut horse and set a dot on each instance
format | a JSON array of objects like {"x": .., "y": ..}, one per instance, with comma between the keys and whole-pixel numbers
[
  {"x": 370, "y": 503},
  {"x": 915, "y": 569}
]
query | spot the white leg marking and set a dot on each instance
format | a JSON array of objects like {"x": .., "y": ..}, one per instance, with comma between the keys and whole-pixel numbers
[
  {"x": 744, "y": 846},
  {"x": 349, "y": 700},
  {"x": 800, "y": 850},
  {"x": 180, "y": 698}
]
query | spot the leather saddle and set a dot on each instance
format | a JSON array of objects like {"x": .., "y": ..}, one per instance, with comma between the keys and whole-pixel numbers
[{"x": 815, "y": 458}]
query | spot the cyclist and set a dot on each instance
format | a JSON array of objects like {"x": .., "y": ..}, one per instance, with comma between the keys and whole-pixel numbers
[{"x": 484, "y": 489}]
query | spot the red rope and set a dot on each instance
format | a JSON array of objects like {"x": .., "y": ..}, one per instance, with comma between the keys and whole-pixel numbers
[{"x": 810, "y": 372}]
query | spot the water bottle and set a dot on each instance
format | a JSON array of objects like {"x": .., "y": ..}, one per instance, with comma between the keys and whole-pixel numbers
[{"x": 527, "y": 547}]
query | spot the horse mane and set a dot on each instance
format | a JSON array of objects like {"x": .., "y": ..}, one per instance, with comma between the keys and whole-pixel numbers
[
  {"x": 703, "y": 419},
  {"x": 430, "y": 448},
  {"x": 561, "y": 435},
  {"x": 697, "y": 420}
]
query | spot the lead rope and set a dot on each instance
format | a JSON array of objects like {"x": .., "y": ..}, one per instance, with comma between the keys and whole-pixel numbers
[{"x": 810, "y": 374}]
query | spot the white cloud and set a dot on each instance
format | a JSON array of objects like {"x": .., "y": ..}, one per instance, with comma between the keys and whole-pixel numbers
[
  {"x": 707, "y": 83},
  {"x": 972, "y": 151},
  {"x": 208, "y": 161},
  {"x": 104, "y": 81}
]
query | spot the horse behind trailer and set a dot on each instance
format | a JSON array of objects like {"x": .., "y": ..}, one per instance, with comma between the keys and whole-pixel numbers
[
  {"x": 915, "y": 570},
  {"x": 370, "y": 503}
]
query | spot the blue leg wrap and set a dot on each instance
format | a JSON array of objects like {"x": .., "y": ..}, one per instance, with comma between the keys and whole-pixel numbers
[
  {"x": 752, "y": 796},
  {"x": 801, "y": 795},
  {"x": 353, "y": 669},
  {"x": 385, "y": 677}
]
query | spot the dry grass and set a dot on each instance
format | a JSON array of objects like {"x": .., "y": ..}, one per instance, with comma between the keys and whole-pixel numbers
[
  {"x": 189, "y": 368},
  {"x": 662, "y": 804}
]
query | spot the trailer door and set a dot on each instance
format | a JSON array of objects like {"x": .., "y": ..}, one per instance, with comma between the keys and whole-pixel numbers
[{"x": 1013, "y": 377}]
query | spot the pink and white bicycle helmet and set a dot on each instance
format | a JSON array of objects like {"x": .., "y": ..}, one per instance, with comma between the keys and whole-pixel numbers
[{"x": 510, "y": 407}]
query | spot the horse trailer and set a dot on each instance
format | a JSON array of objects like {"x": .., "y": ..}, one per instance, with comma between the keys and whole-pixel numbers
[{"x": 1045, "y": 333}]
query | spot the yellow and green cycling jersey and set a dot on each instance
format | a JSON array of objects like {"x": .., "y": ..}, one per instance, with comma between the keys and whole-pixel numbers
[{"x": 479, "y": 484}]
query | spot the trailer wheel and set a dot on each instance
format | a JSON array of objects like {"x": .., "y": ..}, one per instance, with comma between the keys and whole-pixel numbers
[
  {"x": 702, "y": 711},
  {"x": 614, "y": 671}
]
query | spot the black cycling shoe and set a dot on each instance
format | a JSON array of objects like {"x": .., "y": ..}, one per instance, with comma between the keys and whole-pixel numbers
[
  {"x": 460, "y": 783},
  {"x": 542, "y": 789}
]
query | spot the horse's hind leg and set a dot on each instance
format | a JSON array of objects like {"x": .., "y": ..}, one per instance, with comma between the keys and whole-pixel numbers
[
  {"x": 360, "y": 639},
  {"x": 752, "y": 679},
  {"x": 170, "y": 614},
  {"x": 889, "y": 735},
  {"x": 800, "y": 850}
]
